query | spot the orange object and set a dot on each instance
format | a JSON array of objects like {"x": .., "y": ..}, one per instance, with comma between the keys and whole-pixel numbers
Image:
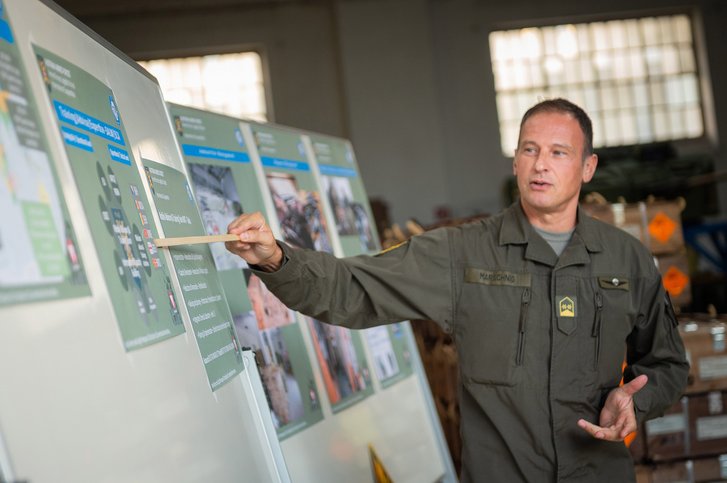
[
  {"x": 662, "y": 227},
  {"x": 631, "y": 436},
  {"x": 675, "y": 281}
]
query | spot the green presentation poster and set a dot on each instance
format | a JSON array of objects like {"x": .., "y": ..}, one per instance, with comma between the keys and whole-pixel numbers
[
  {"x": 202, "y": 290},
  {"x": 296, "y": 197},
  {"x": 39, "y": 256},
  {"x": 342, "y": 186},
  {"x": 113, "y": 199},
  {"x": 295, "y": 193},
  {"x": 225, "y": 186},
  {"x": 391, "y": 353}
]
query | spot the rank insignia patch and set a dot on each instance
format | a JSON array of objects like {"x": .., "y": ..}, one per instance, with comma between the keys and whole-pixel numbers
[{"x": 567, "y": 307}]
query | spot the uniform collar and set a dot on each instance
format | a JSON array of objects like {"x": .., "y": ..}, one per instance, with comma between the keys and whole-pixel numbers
[{"x": 517, "y": 230}]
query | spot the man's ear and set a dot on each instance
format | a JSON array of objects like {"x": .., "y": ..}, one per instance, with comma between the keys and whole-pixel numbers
[
  {"x": 589, "y": 167},
  {"x": 514, "y": 162}
]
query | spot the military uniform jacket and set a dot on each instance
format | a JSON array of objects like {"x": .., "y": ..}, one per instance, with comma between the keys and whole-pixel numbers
[{"x": 541, "y": 339}]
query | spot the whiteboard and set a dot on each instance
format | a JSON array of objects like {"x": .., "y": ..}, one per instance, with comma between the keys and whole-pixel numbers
[
  {"x": 399, "y": 421},
  {"x": 74, "y": 405}
]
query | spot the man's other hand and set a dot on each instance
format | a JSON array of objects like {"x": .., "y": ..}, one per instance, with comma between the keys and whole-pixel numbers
[
  {"x": 618, "y": 416},
  {"x": 257, "y": 245}
]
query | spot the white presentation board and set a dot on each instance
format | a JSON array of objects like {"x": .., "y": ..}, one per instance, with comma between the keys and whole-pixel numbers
[
  {"x": 399, "y": 419},
  {"x": 76, "y": 403},
  {"x": 112, "y": 381}
]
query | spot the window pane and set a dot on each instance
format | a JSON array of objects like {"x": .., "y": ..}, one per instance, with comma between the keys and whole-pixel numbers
[
  {"x": 650, "y": 31},
  {"x": 638, "y": 65},
  {"x": 686, "y": 58},
  {"x": 641, "y": 94},
  {"x": 667, "y": 30},
  {"x": 676, "y": 119},
  {"x": 622, "y": 65},
  {"x": 600, "y": 35},
  {"x": 617, "y": 34},
  {"x": 628, "y": 127},
  {"x": 643, "y": 123},
  {"x": 661, "y": 124},
  {"x": 691, "y": 89},
  {"x": 682, "y": 28},
  {"x": 633, "y": 34},
  {"x": 693, "y": 122}
]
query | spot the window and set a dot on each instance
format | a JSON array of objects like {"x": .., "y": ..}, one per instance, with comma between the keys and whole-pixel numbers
[
  {"x": 636, "y": 78},
  {"x": 231, "y": 84}
]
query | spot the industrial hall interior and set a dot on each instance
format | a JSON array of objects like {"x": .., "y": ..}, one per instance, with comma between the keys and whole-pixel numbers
[{"x": 363, "y": 240}]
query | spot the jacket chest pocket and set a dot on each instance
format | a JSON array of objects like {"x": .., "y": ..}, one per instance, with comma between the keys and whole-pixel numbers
[
  {"x": 613, "y": 319},
  {"x": 493, "y": 326}
]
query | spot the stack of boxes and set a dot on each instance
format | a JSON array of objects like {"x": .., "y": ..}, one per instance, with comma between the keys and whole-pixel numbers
[
  {"x": 439, "y": 357},
  {"x": 658, "y": 225},
  {"x": 689, "y": 443}
]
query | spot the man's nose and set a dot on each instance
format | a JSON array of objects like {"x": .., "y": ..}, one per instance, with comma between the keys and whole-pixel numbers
[{"x": 541, "y": 163}]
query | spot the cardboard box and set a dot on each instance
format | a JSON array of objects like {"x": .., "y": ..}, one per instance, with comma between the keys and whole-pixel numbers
[
  {"x": 643, "y": 473},
  {"x": 657, "y": 224},
  {"x": 674, "y": 472},
  {"x": 706, "y": 349},
  {"x": 712, "y": 469},
  {"x": 667, "y": 437},
  {"x": 708, "y": 423}
]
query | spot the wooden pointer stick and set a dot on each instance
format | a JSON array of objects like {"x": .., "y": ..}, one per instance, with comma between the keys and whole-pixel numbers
[{"x": 191, "y": 240}]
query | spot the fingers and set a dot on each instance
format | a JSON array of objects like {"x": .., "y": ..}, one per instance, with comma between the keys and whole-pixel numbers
[
  {"x": 610, "y": 433},
  {"x": 247, "y": 222},
  {"x": 635, "y": 385},
  {"x": 615, "y": 432}
]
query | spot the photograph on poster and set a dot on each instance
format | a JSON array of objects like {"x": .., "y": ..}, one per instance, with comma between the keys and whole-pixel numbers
[
  {"x": 299, "y": 213},
  {"x": 343, "y": 374},
  {"x": 382, "y": 351},
  {"x": 350, "y": 216},
  {"x": 219, "y": 204},
  {"x": 262, "y": 329}
]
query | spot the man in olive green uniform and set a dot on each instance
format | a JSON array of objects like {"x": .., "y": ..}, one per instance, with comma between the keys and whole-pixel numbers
[{"x": 544, "y": 304}]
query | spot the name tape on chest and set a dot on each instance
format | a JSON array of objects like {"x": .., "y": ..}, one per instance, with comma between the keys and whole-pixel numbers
[{"x": 496, "y": 277}]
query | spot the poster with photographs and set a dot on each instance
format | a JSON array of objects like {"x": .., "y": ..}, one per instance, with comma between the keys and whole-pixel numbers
[
  {"x": 293, "y": 188},
  {"x": 344, "y": 190},
  {"x": 345, "y": 193},
  {"x": 343, "y": 366},
  {"x": 39, "y": 255},
  {"x": 225, "y": 185},
  {"x": 274, "y": 334}
]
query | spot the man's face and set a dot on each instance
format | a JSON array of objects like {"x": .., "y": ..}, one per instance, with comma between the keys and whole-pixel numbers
[{"x": 549, "y": 163}]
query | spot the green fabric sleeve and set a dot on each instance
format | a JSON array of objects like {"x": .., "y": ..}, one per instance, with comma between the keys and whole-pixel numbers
[
  {"x": 411, "y": 281},
  {"x": 656, "y": 349}
]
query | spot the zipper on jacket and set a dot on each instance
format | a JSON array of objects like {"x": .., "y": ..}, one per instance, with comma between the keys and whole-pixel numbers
[
  {"x": 524, "y": 303},
  {"x": 596, "y": 333}
]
